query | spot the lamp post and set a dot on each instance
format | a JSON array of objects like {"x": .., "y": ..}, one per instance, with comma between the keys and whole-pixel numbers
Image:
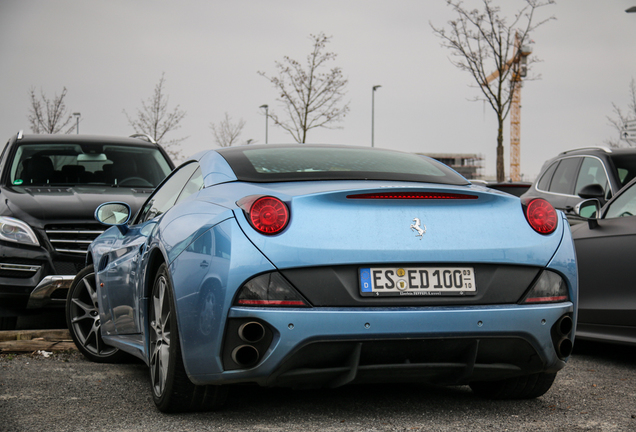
[
  {"x": 266, "y": 119},
  {"x": 374, "y": 88},
  {"x": 77, "y": 117}
]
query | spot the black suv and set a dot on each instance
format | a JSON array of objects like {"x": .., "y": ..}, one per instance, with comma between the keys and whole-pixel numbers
[
  {"x": 592, "y": 172},
  {"x": 50, "y": 186}
]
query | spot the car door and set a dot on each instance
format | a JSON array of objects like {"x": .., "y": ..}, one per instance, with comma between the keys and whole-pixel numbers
[
  {"x": 122, "y": 274},
  {"x": 561, "y": 187},
  {"x": 607, "y": 288},
  {"x": 119, "y": 271}
]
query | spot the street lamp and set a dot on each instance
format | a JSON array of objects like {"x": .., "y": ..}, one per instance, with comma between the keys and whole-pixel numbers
[
  {"x": 374, "y": 88},
  {"x": 266, "y": 119},
  {"x": 77, "y": 117}
]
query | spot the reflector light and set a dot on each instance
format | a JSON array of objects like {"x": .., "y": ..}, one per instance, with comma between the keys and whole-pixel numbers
[
  {"x": 269, "y": 215},
  {"x": 541, "y": 216},
  {"x": 269, "y": 289},
  {"x": 549, "y": 288},
  {"x": 412, "y": 195},
  {"x": 271, "y": 302},
  {"x": 546, "y": 299}
]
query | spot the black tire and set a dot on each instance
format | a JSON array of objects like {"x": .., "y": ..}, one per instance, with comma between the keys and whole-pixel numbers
[
  {"x": 523, "y": 387},
  {"x": 82, "y": 319},
  {"x": 172, "y": 390}
]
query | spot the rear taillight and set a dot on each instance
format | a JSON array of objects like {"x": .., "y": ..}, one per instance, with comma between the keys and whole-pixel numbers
[
  {"x": 549, "y": 288},
  {"x": 540, "y": 214},
  {"x": 412, "y": 195},
  {"x": 267, "y": 214},
  {"x": 269, "y": 289}
]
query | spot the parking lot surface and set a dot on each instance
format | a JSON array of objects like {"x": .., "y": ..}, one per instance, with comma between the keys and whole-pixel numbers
[{"x": 64, "y": 392}]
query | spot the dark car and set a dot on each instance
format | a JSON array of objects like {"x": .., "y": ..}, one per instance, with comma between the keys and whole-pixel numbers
[
  {"x": 605, "y": 248},
  {"x": 574, "y": 175},
  {"x": 50, "y": 186}
]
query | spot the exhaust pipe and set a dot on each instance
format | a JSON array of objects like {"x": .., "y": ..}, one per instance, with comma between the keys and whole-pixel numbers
[
  {"x": 564, "y": 325},
  {"x": 246, "y": 342},
  {"x": 564, "y": 348},
  {"x": 251, "y": 332},
  {"x": 561, "y": 336},
  {"x": 245, "y": 355}
]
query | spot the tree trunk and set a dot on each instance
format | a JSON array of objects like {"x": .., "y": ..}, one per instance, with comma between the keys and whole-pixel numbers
[{"x": 501, "y": 172}]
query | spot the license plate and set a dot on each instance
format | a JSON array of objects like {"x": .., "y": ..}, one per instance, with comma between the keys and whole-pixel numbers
[{"x": 417, "y": 281}]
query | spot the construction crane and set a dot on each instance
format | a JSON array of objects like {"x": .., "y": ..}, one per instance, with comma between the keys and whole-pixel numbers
[{"x": 519, "y": 65}]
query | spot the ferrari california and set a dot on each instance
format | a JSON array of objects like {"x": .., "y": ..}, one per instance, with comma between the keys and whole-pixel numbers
[{"x": 310, "y": 266}]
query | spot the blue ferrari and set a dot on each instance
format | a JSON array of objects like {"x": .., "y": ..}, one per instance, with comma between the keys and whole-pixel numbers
[{"x": 319, "y": 266}]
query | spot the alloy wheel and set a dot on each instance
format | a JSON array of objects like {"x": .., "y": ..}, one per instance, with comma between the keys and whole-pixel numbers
[
  {"x": 84, "y": 317},
  {"x": 160, "y": 336}
]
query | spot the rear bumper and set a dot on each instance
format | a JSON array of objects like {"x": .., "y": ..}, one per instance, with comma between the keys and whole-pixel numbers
[{"x": 453, "y": 345}]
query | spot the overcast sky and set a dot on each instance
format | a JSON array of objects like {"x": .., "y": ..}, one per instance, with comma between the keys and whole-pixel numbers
[{"x": 111, "y": 54}]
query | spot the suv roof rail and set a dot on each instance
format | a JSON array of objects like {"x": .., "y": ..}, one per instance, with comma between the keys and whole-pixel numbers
[
  {"x": 20, "y": 135},
  {"x": 144, "y": 137},
  {"x": 605, "y": 149}
]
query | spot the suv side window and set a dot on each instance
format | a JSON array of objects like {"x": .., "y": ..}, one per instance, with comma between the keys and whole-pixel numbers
[
  {"x": 544, "y": 183},
  {"x": 565, "y": 176},
  {"x": 165, "y": 197},
  {"x": 592, "y": 172}
]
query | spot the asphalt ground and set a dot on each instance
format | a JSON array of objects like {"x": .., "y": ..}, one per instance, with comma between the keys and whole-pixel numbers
[{"x": 64, "y": 392}]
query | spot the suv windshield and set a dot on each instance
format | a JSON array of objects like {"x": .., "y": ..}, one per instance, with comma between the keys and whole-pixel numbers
[
  {"x": 306, "y": 162},
  {"x": 87, "y": 164}
]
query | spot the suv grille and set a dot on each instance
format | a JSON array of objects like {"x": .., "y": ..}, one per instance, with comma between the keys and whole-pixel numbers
[{"x": 72, "y": 239}]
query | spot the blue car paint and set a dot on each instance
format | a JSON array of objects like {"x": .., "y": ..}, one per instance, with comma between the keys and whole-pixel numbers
[
  {"x": 207, "y": 291},
  {"x": 216, "y": 167},
  {"x": 114, "y": 266},
  {"x": 201, "y": 339},
  {"x": 296, "y": 327},
  {"x": 564, "y": 263},
  {"x": 386, "y": 236}
]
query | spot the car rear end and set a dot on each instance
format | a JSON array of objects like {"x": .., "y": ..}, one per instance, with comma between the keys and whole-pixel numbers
[{"x": 376, "y": 280}]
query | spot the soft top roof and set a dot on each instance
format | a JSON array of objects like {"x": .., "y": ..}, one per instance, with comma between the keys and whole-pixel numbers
[{"x": 310, "y": 162}]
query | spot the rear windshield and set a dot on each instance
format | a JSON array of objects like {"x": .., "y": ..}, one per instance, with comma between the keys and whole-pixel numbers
[
  {"x": 306, "y": 162},
  {"x": 86, "y": 164}
]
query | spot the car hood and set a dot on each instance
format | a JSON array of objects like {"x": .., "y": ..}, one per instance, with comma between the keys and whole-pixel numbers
[{"x": 32, "y": 204}]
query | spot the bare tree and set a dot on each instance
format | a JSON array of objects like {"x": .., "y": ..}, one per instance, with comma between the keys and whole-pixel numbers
[
  {"x": 312, "y": 97},
  {"x": 226, "y": 132},
  {"x": 620, "y": 121},
  {"x": 49, "y": 116},
  {"x": 482, "y": 42},
  {"x": 156, "y": 120}
]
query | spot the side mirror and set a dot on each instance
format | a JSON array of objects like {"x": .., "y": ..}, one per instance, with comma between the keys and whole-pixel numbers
[
  {"x": 592, "y": 191},
  {"x": 114, "y": 214},
  {"x": 589, "y": 209}
]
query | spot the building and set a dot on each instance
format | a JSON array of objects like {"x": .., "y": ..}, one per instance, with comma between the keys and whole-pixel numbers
[{"x": 467, "y": 164}]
